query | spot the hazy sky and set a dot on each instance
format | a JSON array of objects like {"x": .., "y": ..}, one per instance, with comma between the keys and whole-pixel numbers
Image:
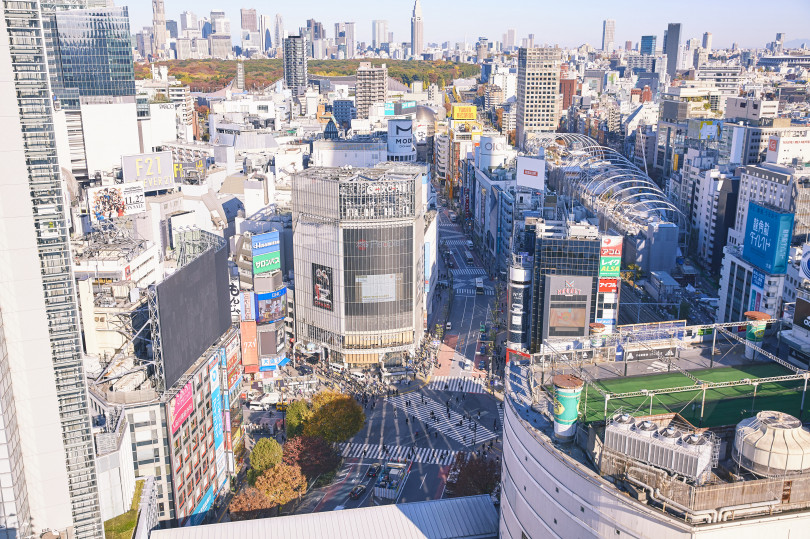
[{"x": 748, "y": 22}]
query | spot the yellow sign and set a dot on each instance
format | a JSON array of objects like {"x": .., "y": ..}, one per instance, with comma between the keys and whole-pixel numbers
[{"x": 464, "y": 112}]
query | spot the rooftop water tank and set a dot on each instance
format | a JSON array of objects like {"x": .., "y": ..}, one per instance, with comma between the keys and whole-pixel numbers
[{"x": 772, "y": 444}]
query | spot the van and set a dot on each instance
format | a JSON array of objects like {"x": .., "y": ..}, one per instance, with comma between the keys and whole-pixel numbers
[
  {"x": 448, "y": 325},
  {"x": 359, "y": 375},
  {"x": 337, "y": 367},
  {"x": 469, "y": 244}
]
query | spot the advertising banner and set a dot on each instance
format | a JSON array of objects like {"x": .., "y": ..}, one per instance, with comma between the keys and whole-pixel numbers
[
  {"x": 322, "y": 287},
  {"x": 390, "y": 109},
  {"x": 181, "y": 406},
  {"x": 271, "y": 307},
  {"x": 155, "y": 171},
  {"x": 195, "y": 169},
  {"x": 531, "y": 172},
  {"x": 198, "y": 514},
  {"x": 400, "y": 137},
  {"x": 611, "y": 246},
  {"x": 104, "y": 203},
  {"x": 801, "y": 315},
  {"x": 610, "y": 266},
  {"x": 216, "y": 401},
  {"x": 266, "y": 262},
  {"x": 378, "y": 288},
  {"x": 272, "y": 363},
  {"x": 608, "y": 286},
  {"x": 234, "y": 295},
  {"x": 250, "y": 353},
  {"x": 767, "y": 238},
  {"x": 247, "y": 306},
  {"x": 757, "y": 290},
  {"x": 463, "y": 112},
  {"x": 269, "y": 242}
]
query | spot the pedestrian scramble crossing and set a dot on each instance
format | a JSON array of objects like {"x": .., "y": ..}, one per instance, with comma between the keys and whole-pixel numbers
[
  {"x": 457, "y": 383},
  {"x": 472, "y": 291},
  {"x": 401, "y": 452},
  {"x": 462, "y": 434},
  {"x": 469, "y": 271}
]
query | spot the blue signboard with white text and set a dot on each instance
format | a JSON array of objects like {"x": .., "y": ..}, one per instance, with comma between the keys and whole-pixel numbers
[
  {"x": 768, "y": 233},
  {"x": 265, "y": 243},
  {"x": 198, "y": 514}
]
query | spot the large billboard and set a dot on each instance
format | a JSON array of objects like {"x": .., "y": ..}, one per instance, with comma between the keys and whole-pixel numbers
[
  {"x": 801, "y": 315},
  {"x": 804, "y": 269},
  {"x": 194, "y": 311},
  {"x": 463, "y": 112},
  {"x": 105, "y": 203},
  {"x": 390, "y": 109},
  {"x": 268, "y": 242},
  {"x": 247, "y": 306},
  {"x": 757, "y": 291},
  {"x": 234, "y": 296},
  {"x": 378, "y": 275},
  {"x": 767, "y": 238},
  {"x": 531, "y": 172},
  {"x": 610, "y": 266},
  {"x": 271, "y": 307},
  {"x": 608, "y": 286},
  {"x": 322, "y": 291},
  {"x": 567, "y": 309},
  {"x": 266, "y": 262},
  {"x": 400, "y": 137},
  {"x": 155, "y": 171},
  {"x": 250, "y": 353},
  {"x": 181, "y": 406},
  {"x": 214, "y": 371}
]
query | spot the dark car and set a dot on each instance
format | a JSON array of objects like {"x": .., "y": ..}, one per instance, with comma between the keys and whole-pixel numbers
[
  {"x": 482, "y": 365},
  {"x": 357, "y": 491},
  {"x": 373, "y": 470}
]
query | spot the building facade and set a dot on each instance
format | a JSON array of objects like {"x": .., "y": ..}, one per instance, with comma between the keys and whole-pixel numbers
[
  {"x": 538, "y": 100},
  {"x": 359, "y": 262},
  {"x": 371, "y": 88},
  {"x": 417, "y": 30},
  {"x": 295, "y": 62}
]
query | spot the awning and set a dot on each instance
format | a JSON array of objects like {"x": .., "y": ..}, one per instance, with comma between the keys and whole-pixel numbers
[{"x": 272, "y": 363}]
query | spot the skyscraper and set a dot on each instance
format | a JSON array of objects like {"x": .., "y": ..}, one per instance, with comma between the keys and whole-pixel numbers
[
  {"x": 47, "y": 455},
  {"x": 538, "y": 97},
  {"x": 509, "y": 39},
  {"x": 279, "y": 33},
  {"x": 250, "y": 20},
  {"x": 295, "y": 62},
  {"x": 158, "y": 26},
  {"x": 266, "y": 31},
  {"x": 647, "y": 46},
  {"x": 379, "y": 33},
  {"x": 707, "y": 41},
  {"x": 372, "y": 87},
  {"x": 188, "y": 21},
  {"x": 417, "y": 30},
  {"x": 672, "y": 48},
  {"x": 351, "y": 44},
  {"x": 219, "y": 22},
  {"x": 608, "y": 34},
  {"x": 315, "y": 29}
]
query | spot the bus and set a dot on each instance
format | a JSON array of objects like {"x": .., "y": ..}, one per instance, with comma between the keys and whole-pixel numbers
[
  {"x": 479, "y": 285},
  {"x": 468, "y": 257}
]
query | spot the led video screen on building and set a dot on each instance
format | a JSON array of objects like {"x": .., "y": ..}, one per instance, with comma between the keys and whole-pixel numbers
[
  {"x": 194, "y": 310},
  {"x": 322, "y": 290},
  {"x": 567, "y": 305},
  {"x": 378, "y": 277}
]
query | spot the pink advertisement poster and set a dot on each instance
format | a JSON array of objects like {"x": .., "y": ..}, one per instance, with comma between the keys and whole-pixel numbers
[{"x": 181, "y": 406}]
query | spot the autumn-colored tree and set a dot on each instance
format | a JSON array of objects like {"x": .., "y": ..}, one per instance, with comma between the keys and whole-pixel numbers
[
  {"x": 312, "y": 454},
  {"x": 282, "y": 484},
  {"x": 471, "y": 476},
  {"x": 298, "y": 412},
  {"x": 249, "y": 504},
  {"x": 335, "y": 417}
]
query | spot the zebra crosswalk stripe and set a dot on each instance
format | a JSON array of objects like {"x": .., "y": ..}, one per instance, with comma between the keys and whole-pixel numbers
[
  {"x": 417, "y": 454},
  {"x": 457, "y": 383},
  {"x": 469, "y": 271},
  {"x": 472, "y": 292},
  {"x": 449, "y": 427}
]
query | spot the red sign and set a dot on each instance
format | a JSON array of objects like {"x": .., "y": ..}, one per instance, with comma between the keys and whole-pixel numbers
[
  {"x": 530, "y": 172},
  {"x": 569, "y": 290},
  {"x": 181, "y": 406},
  {"x": 608, "y": 286},
  {"x": 772, "y": 142},
  {"x": 250, "y": 353},
  {"x": 521, "y": 354}
]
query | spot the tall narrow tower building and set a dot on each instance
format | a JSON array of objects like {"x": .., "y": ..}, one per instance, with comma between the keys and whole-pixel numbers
[
  {"x": 608, "y": 34},
  {"x": 417, "y": 30},
  {"x": 158, "y": 26}
]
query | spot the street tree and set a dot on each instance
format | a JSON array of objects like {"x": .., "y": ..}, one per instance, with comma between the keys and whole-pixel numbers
[
  {"x": 471, "y": 476},
  {"x": 282, "y": 484},
  {"x": 265, "y": 454},
  {"x": 298, "y": 412},
  {"x": 249, "y": 504},
  {"x": 335, "y": 417},
  {"x": 312, "y": 454}
]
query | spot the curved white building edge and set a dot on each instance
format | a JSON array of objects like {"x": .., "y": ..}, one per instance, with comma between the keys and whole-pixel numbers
[{"x": 547, "y": 494}]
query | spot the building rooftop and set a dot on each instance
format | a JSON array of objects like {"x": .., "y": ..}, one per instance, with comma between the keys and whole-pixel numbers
[{"x": 473, "y": 517}]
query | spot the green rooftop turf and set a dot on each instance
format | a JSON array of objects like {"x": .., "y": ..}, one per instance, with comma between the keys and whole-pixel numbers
[{"x": 724, "y": 406}]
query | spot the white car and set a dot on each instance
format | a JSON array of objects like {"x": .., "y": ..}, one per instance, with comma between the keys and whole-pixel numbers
[{"x": 448, "y": 326}]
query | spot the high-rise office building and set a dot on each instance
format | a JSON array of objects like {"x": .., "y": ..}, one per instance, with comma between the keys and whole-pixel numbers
[
  {"x": 417, "y": 30},
  {"x": 608, "y": 34},
  {"x": 379, "y": 33},
  {"x": 344, "y": 35},
  {"x": 538, "y": 97},
  {"x": 279, "y": 34},
  {"x": 89, "y": 54},
  {"x": 250, "y": 20},
  {"x": 158, "y": 26},
  {"x": 315, "y": 29},
  {"x": 295, "y": 62},
  {"x": 372, "y": 87},
  {"x": 47, "y": 456},
  {"x": 188, "y": 21},
  {"x": 172, "y": 30},
  {"x": 266, "y": 31},
  {"x": 219, "y": 22},
  {"x": 707, "y": 41},
  {"x": 509, "y": 39},
  {"x": 647, "y": 46},
  {"x": 672, "y": 48}
]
